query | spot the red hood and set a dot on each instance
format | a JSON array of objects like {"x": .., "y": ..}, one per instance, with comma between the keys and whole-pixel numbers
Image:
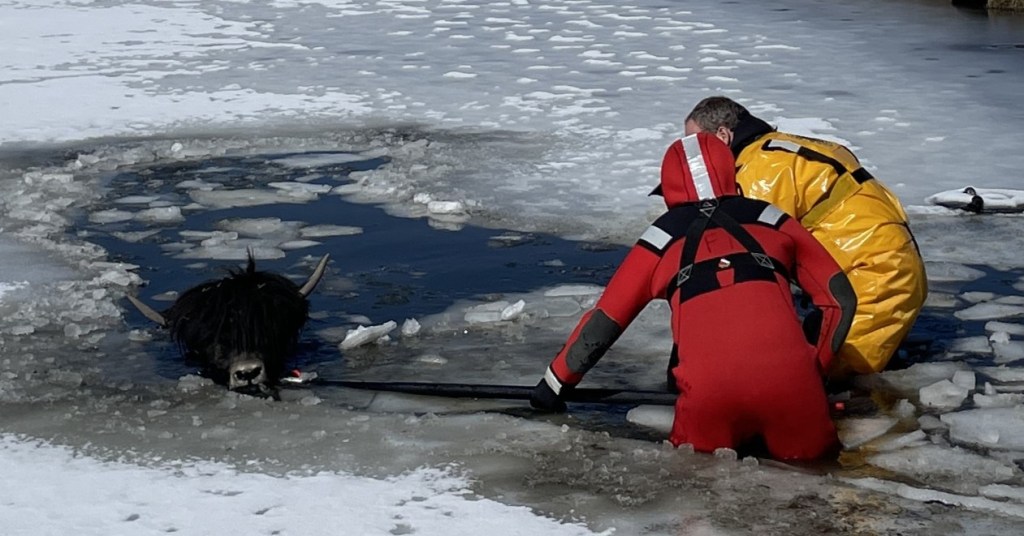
[{"x": 699, "y": 166}]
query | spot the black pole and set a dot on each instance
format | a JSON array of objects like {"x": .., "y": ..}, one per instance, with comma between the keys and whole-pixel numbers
[{"x": 589, "y": 395}]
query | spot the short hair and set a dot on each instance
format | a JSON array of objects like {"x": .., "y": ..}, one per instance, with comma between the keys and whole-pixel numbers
[{"x": 714, "y": 112}]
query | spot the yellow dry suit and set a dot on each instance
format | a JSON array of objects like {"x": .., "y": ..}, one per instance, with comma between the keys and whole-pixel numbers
[{"x": 858, "y": 220}]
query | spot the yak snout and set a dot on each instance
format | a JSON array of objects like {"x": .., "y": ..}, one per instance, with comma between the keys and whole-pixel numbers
[{"x": 246, "y": 373}]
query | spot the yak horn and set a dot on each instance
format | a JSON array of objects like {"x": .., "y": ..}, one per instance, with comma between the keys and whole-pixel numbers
[
  {"x": 315, "y": 278},
  {"x": 147, "y": 311}
]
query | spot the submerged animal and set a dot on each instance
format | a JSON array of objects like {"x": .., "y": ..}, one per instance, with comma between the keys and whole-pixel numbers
[{"x": 241, "y": 329}]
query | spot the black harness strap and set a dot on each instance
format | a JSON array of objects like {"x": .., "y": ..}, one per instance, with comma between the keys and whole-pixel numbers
[{"x": 696, "y": 278}]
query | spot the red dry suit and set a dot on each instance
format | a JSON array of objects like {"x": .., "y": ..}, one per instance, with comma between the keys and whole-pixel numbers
[{"x": 743, "y": 367}]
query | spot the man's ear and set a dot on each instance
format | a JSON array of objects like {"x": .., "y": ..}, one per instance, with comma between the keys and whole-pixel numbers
[{"x": 725, "y": 134}]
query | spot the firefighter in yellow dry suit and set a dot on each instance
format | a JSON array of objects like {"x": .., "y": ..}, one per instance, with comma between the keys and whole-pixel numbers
[{"x": 858, "y": 220}]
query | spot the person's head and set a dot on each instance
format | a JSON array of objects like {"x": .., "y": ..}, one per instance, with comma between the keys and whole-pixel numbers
[
  {"x": 696, "y": 168},
  {"x": 717, "y": 115}
]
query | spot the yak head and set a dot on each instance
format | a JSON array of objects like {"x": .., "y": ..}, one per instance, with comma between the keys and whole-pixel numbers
[{"x": 240, "y": 329}]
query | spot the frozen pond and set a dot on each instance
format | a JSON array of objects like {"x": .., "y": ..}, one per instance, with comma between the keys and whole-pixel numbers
[{"x": 114, "y": 386}]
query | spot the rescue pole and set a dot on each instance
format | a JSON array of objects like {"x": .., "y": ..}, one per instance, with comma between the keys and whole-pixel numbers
[{"x": 586, "y": 395}]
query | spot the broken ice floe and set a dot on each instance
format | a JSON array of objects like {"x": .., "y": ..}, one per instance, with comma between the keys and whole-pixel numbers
[
  {"x": 857, "y": 431},
  {"x": 950, "y": 468},
  {"x": 989, "y": 311},
  {"x": 367, "y": 334},
  {"x": 994, "y": 428},
  {"x": 320, "y": 231},
  {"x": 410, "y": 327},
  {"x": 943, "y": 395},
  {"x": 951, "y": 272},
  {"x": 492, "y": 312},
  {"x": 931, "y": 495},
  {"x": 248, "y": 197}
]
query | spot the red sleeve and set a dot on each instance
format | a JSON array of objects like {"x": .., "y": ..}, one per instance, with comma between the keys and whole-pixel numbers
[
  {"x": 823, "y": 280},
  {"x": 627, "y": 293}
]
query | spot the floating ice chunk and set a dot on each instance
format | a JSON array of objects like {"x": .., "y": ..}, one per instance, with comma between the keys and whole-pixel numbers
[
  {"x": 903, "y": 409},
  {"x": 1006, "y": 351},
  {"x": 260, "y": 227},
  {"x": 319, "y": 231},
  {"x": 656, "y": 417},
  {"x": 111, "y": 216},
  {"x": 160, "y": 215},
  {"x": 573, "y": 290},
  {"x": 971, "y": 345},
  {"x": 513, "y": 311},
  {"x": 314, "y": 160},
  {"x": 218, "y": 239},
  {"x": 120, "y": 278},
  {"x": 965, "y": 379},
  {"x": 912, "y": 439},
  {"x": 446, "y": 207},
  {"x": 978, "y": 297},
  {"x": 302, "y": 187},
  {"x": 238, "y": 251},
  {"x": 447, "y": 222},
  {"x": 996, "y": 428},
  {"x": 1003, "y": 374},
  {"x": 910, "y": 380},
  {"x": 347, "y": 189},
  {"x": 942, "y": 300},
  {"x": 947, "y": 467},
  {"x": 999, "y": 337},
  {"x": 298, "y": 244},
  {"x": 998, "y": 400},
  {"x": 858, "y": 431},
  {"x": 133, "y": 237},
  {"x": 562, "y": 307},
  {"x": 1010, "y": 300},
  {"x": 364, "y": 335},
  {"x": 189, "y": 234},
  {"x": 247, "y": 197},
  {"x": 197, "y": 184},
  {"x": 486, "y": 313},
  {"x": 949, "y": 271},
  {"x": 943, "y": 395},
  {"x": 137, "y": 199},
  {"x": 1009, "y": 328},
  {"x": 410, "y": 327},
  {"x": 989, "y": 311}
]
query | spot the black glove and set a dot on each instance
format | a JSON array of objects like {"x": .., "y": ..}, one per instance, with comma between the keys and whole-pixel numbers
[{"x": 545, "y": 399}]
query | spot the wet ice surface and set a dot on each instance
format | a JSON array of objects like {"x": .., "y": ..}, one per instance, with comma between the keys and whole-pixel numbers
[{"x": 83, "y": 371}]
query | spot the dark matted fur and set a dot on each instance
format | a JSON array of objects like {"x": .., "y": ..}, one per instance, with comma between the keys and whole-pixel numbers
[{"x": 249, "y": 311}]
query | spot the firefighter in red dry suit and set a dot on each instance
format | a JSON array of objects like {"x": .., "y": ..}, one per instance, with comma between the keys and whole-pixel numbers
[{"x": 741, "y": 363}]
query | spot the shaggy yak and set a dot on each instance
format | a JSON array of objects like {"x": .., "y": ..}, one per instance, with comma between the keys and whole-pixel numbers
[{"x": 240, "y": 329}]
